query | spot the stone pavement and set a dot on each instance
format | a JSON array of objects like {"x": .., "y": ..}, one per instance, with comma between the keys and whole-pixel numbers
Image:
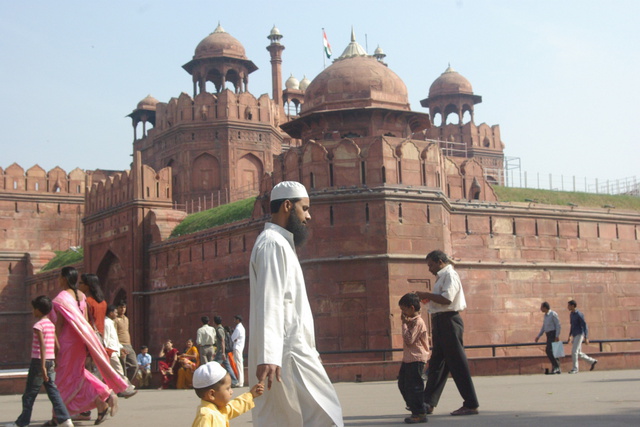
[{"x": 598, "y": 398}]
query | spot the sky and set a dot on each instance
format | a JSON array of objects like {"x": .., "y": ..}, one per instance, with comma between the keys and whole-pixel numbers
[{"x": 561, "y": 78}]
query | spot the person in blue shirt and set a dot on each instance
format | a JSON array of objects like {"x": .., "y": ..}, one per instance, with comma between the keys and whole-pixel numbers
[
  {"x": 144, "y": 367},
  {"x": 579, "y": 331}
]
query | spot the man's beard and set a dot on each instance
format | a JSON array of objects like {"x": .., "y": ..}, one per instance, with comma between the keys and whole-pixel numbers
[{"x": 298, "y": 229}]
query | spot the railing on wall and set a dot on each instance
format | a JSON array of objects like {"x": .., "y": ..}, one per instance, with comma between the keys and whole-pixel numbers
[
  {"x": 493, "y": 347},
  {"x": 514, "y": 176},
  {"x": 216, "y": 198}
]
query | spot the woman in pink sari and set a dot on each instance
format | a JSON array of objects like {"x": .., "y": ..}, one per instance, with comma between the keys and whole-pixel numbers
[{"x": 80, "y": 390}]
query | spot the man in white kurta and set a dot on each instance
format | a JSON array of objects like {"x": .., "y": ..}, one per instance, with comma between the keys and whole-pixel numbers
[
  {"x": 238, "y": 339},
  {"x": 282, "y": 344}
]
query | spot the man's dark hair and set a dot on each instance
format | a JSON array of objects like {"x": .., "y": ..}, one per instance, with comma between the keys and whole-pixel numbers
[
  {"x": 410, "y": 300},
  {"x": 545, "y": 305},
  {"x": 205, "y": 320},
  {"x": 217, "y": 320},
  {"x": 238, "y": 317},
  {"x": 144, "y": 347},
  {"x": 122, "y": 303},
  {"x": 437, "y": 256},
  {"x": 111, "y": 308},
  {"x": 275, "y": 204},
  {"x": 42, "y": 304},
  {"x": 573, "y": 303}
]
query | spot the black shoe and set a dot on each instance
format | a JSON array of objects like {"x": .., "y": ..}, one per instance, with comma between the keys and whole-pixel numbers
[{"x": 593, "y": 365}]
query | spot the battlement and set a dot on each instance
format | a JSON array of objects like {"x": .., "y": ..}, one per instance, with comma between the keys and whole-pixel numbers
[
  {"x": 207, "y": 107},
  {"x": 14, "y": 179},
  {"x": 106, "y": 190}
]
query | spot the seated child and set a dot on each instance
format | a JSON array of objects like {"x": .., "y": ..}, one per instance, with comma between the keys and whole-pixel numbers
[
  {"x": 41, "y": 369},
  {"x": 414, "y": 356},
  {"x": 212, "y": 384},
  {"x": 144, "y": 366}
]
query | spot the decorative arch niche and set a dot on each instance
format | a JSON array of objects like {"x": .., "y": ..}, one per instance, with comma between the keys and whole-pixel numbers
[
  {"x": 205, "y": 173},
  {"x": 250, "y": 170}
]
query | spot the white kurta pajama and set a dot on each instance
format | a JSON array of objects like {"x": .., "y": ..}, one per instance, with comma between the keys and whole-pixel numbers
[{"x": 282, "y": 333}]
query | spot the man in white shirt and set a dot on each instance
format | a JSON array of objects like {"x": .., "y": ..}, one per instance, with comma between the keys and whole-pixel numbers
[
  {"x": 282, "y": 345},
  {"x": 238, "y": 338},
  {"x": 205, "y": 340},
  {"x": 115, "y": 349},
  {"x": 445, "y": 302}
]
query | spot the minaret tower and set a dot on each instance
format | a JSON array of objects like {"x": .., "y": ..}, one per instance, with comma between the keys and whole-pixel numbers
[{"x": 275, "y": 49}]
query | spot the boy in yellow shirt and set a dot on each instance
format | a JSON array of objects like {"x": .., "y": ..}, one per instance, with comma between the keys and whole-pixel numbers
[{"x": 212, "y": 384}]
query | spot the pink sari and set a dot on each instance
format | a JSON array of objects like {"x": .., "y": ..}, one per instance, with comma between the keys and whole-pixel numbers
[{"x": 78, "y": 387}]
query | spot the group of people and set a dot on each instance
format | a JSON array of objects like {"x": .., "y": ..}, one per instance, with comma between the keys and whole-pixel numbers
[
  {"x": 284, "y": 365},
  {"x": 578, "y": 332},
  {"x": 213, "y": 343},
  {"x": 68, "y": 338}
]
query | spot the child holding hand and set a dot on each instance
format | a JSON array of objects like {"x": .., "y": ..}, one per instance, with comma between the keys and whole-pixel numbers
[{"x": 212, "y": 384}]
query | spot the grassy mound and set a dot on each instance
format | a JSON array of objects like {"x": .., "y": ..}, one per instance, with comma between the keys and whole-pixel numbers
[
  {"x": 219, "y": 215},
  {"x": 64, "y": 258},
  {"x": 548, "y": 197}
]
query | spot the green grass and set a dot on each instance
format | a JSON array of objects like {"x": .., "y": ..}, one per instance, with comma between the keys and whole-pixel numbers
[
  {"x": 64, "y": 258},
  {"x": 548, "y": 197},
  {"x": 219, "y": 215}
]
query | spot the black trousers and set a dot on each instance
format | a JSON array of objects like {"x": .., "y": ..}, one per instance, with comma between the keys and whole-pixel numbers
[
  {"x": 447, "y": 356},
  {"x": 551, "y": 337},
  {"x": 411, "y": 386}
]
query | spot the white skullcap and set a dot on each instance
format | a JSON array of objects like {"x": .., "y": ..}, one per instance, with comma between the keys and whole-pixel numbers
[
  {"x": 288, "y": 190},
  {"x": 207, "y": 375}
]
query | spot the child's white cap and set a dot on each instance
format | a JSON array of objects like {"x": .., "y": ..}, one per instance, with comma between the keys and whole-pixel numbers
[
  {"x": 207, "y": 375},
  {"x": 288, "y": 190}
]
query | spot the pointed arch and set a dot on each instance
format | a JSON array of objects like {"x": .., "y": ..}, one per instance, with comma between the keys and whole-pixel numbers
[
  {"x": 112, "y": 277},
  {"x": 249, "y": 172},
  {"x": 205, "y": 173}
]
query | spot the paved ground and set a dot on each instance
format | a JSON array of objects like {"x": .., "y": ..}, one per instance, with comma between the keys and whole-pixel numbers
[{"x": 599, "y": 398}]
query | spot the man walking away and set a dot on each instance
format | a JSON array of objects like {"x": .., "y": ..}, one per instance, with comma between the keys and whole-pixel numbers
[{"x": 579, "y": 332}]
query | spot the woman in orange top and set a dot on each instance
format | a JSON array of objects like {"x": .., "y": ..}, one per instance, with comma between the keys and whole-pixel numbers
[{"x": 189, "y": 361}]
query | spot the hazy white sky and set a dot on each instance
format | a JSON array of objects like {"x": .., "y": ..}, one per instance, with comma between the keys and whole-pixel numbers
[{"x": 561, "y": 78}]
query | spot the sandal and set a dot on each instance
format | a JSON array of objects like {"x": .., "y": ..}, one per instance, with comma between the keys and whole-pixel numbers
[
  {"x": 101, "y": 416},
  {"x": 465, "y": 411}
]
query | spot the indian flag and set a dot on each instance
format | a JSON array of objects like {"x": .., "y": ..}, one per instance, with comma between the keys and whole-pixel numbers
[{"x": 327, "y": 46}]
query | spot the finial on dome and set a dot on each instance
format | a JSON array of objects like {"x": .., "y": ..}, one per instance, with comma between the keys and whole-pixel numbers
[
  {"x": 219, "y": 29},
  {"x": 353, "y": 49}
]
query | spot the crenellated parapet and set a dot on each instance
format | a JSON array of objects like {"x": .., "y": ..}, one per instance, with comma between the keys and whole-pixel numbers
[
  {"x": 207, "y": 108},
  {"x": 14, "y": 179},
  {"x": 382, "y": 161},
  {"x": 108, "y": 189}
]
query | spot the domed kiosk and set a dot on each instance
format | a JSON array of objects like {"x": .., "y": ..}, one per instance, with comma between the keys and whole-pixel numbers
[
  {"x": 220, "y": 58},
  {"x": 145, "y": 112},
  {"x": 451, "y": 93},
  {"x": 353, "y": 96}
]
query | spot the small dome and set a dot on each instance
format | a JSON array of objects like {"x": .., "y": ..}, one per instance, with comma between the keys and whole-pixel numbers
[
  {"x": 304, "y": 83},
  {"x": 450, "y": 83},
  {"x": 219, "y": 43},
  {"x": 275, "y": 32},
  {"x": 148, "y": 103},
  {"x": 378, "y": 51},
  {"x": 292, "y": 83}
]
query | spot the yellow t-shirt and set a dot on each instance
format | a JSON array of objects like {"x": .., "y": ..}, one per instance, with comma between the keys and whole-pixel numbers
[{"x": 209, "y": 415}]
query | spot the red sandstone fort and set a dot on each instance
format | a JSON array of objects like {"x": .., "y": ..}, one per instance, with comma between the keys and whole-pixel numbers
[{"x": 386, "y": 186}]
